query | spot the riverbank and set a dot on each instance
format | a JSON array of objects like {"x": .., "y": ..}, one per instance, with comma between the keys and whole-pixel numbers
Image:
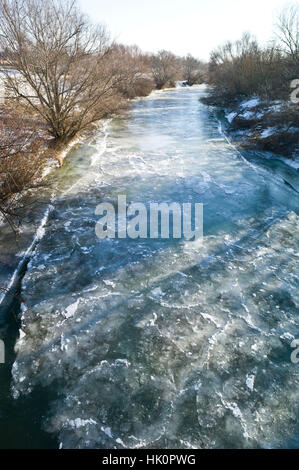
[
  {"x": 271, "y": 127},
  {"x": 28, "y": 157},
  {"x": 34, "y": 208},
  {"x": 28, "y": 150}
]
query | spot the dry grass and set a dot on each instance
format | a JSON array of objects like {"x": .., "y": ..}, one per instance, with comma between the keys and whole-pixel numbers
[{"x": 23, "y": 142}]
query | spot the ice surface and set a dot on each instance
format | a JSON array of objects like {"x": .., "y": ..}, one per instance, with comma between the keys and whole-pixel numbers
[{"x": 166, "y": 343}]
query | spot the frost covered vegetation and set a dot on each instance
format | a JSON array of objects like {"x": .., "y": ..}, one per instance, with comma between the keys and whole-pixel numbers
[
  {"x": 65, "y": 74},
  {"x": 253, "y": 85}
]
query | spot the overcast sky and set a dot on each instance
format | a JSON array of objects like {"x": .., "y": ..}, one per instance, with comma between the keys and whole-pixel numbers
[{"x": 195, "y": 26}]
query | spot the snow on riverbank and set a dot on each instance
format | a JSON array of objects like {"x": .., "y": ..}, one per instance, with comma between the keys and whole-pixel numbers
[{"x": 268, "y": 125}]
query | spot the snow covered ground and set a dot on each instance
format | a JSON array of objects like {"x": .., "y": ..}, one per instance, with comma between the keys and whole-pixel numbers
[{"x": 268, "y": 125}]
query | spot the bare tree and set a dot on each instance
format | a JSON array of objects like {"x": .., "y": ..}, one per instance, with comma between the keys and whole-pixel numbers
[
  {"x": 243, "y": 68},
  {"x": 136, "y": 66},
  {"x": 288, "y": 31},
  {"x": 165, "y": 69},
  {"x": 191, "y": 70},
  {"x": 64, "y": 66},
  {"x": 235, "y": 67}
]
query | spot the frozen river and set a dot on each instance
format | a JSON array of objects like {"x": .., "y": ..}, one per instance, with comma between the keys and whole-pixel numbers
[{"x": 160, "y": 343}]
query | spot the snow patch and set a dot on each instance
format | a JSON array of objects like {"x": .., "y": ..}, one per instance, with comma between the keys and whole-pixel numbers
[
  {"x": 107, "y": 431},
  {"x": 250, "y": 381},
  {"x": 230, "y": 117},
  {"x": 79, "y": 423},
  {"x": 71, "y": 309},
  {"x": 267, "y": 132},
  {"x": 252, "y": 103},
  {"x": 247, "y": 115}
]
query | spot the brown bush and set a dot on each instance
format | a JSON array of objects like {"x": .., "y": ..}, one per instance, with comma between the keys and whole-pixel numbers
[
  {"x": 192, "y": 70},
  {"x": 166, "y": 69},
  {"x": 243, "y": 68},
  {"x": 22, "y": 142},
  {"x": 135, "y": 66}
]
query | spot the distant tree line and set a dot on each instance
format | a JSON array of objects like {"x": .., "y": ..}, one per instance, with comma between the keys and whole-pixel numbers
[{"x": 168, "y": 68}]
